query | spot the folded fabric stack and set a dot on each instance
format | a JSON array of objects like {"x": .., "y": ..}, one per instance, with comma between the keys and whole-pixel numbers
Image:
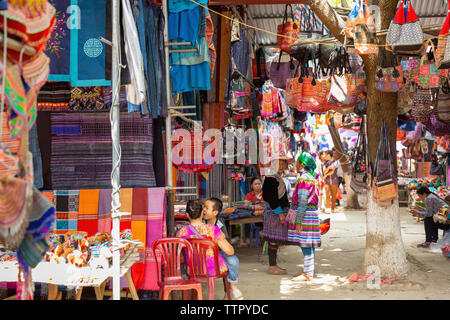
[{"x": 238, "y": 213}]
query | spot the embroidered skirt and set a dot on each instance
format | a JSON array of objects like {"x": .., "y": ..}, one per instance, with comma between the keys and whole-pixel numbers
[
  {"x": 273, "y": 230},
  {"x": 309, "y": 237}
]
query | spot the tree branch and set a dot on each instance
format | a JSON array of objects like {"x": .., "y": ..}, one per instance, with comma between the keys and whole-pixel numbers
[{"x": 329, "y": 17}]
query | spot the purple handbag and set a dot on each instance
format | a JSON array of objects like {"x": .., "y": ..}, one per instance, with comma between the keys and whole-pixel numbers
[
  {"x": 279, "y": 72},
  {"x": 436, "y": 127},
  {"x": 417, "y": 133}
]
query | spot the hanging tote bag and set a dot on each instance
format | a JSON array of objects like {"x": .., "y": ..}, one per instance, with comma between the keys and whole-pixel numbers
[
  {"x": 443, "y": 107},
  {"x": 351, "y": 19},
  {"x": 422, "y": 105},
  {"x": 437, "y": 128},
  {"x": 410, "y": 68},
  {"x": 405, "y": 32},
  {"x": 389, "y": 79},
  {"x": 442, "y": 40},
  {"x": 384, "y": 183},
  {"x": 429, "y": 76},
  {"x": 280, "y": 71},
  {"x": 405, "y": 98},
  {"x": 290, "y": 29},
  {"x": 365, "y": 32},
  {"x": 359, "y": 172},
  {"x": 313, "y": 91}
]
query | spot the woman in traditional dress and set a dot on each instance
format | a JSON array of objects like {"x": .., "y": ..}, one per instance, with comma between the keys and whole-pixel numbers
[
  {"x": 276, "y": 205},
  {"x": 305, "y": 230}
]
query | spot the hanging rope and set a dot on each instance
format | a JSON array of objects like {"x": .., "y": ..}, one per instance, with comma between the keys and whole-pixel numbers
[{"x": 323, "y": 42}]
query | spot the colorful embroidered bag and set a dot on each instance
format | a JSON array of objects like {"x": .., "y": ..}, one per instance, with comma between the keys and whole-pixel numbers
[
  {"x": 442, "y": 40},
  {"x": 365, "y": 32},
  {"x": 423, "y": 102},
  {"x": 384, "y": 183},
  {"x": 428, "y": 72},
  {"x": 443, "y": 107},
  {"x": 405, "y": 32},
  {"x": 389, "y": 79},
  {"x": 290, "y": 29},
  {"x": 405, "y": 98},
  {"x": 410, "y": 68}
]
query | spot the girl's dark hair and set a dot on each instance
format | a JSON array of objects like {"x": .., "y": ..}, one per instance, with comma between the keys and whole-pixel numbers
[
  {"x": 194, "y": 209},
  {"x": 254, "y": 179},
  {"x": 423, "y": 190}
]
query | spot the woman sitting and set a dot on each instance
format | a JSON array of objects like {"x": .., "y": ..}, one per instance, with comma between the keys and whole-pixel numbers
[
  {"x": 199, "y": 230},
  {"x": 432, "y": 206}
]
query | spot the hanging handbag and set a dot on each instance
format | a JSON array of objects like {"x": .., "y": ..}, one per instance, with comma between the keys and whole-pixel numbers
[
  {"x": 423, "y": 103},
  {"x": 313, "y": 90},
  {"x": 359, "y": 172},
  {"x": 301, "y": 50},
  {"x": 410, "y": 68},
  {"x": 405, "y": 32},
  {"x": 293, "y": 92},
  {"x": 443, "y": 107},
  {"x": 365, "y": 32},
  {"x": 351, "y": 19},
  {"x": 436, "y": 127},
  {"x": 405, "y": 98},
  {"x": 384, "y": 183},
  {"x": 280, "y": 71},
  {"x": 389, "y": 79},
  {"x": 442, "y": 40},
  {"x": 290, "y": 29},
  {"x": 428, "y": 76},
  {"x": 436, "y": 168}
]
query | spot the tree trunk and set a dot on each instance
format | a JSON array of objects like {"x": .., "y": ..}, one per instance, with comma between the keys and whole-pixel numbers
[{"x": 384, "y": 245}]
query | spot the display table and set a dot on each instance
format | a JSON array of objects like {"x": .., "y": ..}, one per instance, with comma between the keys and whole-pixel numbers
[
  {"x": 255, "y": 219},
  {"x": 55, "y": 275}
]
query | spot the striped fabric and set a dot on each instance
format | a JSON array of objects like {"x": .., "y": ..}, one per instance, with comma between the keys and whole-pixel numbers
[
  {"x": 88, "y": 211},
  {"x": 54, "y": 96},
  {"x": 213, "y": 115},
  {"x": 82, "y": 148},
  {"x": 309, "y": 237},
  {"x": 66, "y": 204},
  {"x": 36, "y": 70},
  {"x": 104, "y": 210}
]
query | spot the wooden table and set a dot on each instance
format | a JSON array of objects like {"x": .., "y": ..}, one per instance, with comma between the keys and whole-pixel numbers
[{"x": 255, "y": 219}]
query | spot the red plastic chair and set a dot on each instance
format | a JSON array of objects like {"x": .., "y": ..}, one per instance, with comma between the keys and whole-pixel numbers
[
  {"x": 201, "y": 246},
  {"x": 171, "y": 250}
]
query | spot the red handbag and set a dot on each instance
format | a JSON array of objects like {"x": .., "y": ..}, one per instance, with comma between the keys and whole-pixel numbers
[{"x": 290, "y": 29}]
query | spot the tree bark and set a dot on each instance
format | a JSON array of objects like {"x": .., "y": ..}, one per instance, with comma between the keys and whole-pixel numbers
[{"x": 384, "y": 245}]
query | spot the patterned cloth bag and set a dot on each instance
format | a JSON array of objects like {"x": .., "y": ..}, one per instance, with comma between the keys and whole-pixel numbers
[
  {"x": 410, "y": 68},
  {"x": 442, "y": 40},
  {"x": 405, "y": 32},
  {"x": 384, "y": 183},
  {"x": 288, "y": 28},
  {"x": 429, "y": 76},
  {"x": 360, "y": 163},
  {"x": 389, "y": 79},
  {"x": 443, "y": 107},
  {"x": 351, "y": 19},
  {"x": 405, "y": 98},
  {"x": 424, "y": 100},
  {"x": 365, "y": 32},
  {"x": 436, "y": 127}
]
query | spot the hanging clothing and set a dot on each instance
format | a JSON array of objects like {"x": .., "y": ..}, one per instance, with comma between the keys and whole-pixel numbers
[{"x": 136, "y": 91}]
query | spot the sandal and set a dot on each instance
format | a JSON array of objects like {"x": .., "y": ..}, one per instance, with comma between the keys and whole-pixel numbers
[
  {"x": 275, "y": 270},
  {"x": 302, "y": 278},
  {"x": 236, "y": 294}
]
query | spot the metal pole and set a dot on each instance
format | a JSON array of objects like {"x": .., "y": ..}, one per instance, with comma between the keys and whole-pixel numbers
[
  {"x": 170, "y": 193},
  {"x": 116, "y": 152}
]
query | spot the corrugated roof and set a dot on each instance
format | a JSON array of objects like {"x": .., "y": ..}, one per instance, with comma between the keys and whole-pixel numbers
[{"x": 268, "y": 17}]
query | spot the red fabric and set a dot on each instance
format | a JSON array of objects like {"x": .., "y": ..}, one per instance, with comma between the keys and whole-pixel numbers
[
  {"x": 137, "y": 274},
  {"x": 411, "y": 15},
  {"x": 252, "y": 197}
]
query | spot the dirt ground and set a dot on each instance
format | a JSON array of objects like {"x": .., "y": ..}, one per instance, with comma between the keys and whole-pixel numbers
[{"x": 341, "y": 254}]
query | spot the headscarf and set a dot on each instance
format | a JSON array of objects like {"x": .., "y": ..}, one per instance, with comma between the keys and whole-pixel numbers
[{"x": 309, "y": 162}]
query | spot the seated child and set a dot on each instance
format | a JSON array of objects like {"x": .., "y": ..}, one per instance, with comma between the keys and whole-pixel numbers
[{"x": 211, "y": 211}]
